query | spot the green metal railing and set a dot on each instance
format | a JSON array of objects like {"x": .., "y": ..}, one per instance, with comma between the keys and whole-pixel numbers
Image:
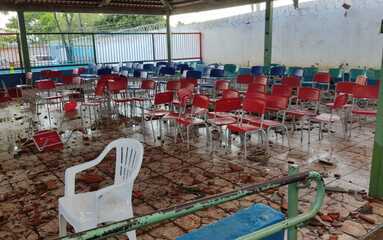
[{"x": 178, "y": 211}]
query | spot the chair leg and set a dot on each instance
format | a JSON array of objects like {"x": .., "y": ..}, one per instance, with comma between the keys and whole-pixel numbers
[
  {"x": 244, "y": 146},
  {"x": 62, "y": 226},
  {"x": 187, "y": 136}
]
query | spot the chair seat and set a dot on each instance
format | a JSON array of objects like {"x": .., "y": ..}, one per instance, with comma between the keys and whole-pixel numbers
[
  {"x": 300, "y": 113},
  {"x": 51, "y": 97},
  {"x": 265, "y": 123},
  {"x": 186, "y": 121},
  {"x": 364, "y": 112},
  {"x": 331, "y": 105},
  {"x": 221, "y": 121},
  {"x": 92, "y": 103},
  {"x": 81, "y": 209},
  {"x": 242, "y": 128},
  {"x": 326, "y": 117},
  {"x": 123, "y": 100}
]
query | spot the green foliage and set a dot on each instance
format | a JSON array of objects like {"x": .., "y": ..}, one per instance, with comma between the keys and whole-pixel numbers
[{"x": 73, "y": 22}]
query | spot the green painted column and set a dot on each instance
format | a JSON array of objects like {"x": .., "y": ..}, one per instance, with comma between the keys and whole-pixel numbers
[
  {"x": 376, "y": 178},
  {"x": 268, "y": 33},
  {"x": 168, "y": 39},
  {"x": 292, "y": 211},
  {"x": 24, "y": 42}
]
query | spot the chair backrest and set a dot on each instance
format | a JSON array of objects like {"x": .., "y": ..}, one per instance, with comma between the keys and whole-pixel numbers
[
  {"x": 336, "y": 73},
  {"x": 277, "y": 102},
  {"x": 45, "y": 73},
  {"x": 159, "y": 64},
  {"x": 189, "y": 83},
  {"x": 257, "y": 70},
  {"x": 148, "y": 84},
  {"x": 344, "y": 87},
  {"x": 340, "y": 101},
  {"x": 100, "y": 87},
  {"x": 45, "y": 84},
  {"x": 282, "y": 91},
  {"x": 82, "y": 70},
  {"x": 291, "y": 81},
  {"x": 260, "y": 79},
  {"x": 148, "y": 67},
  {"x": 254, "y": 105},
  {"x": 322, "y": 77},
  {"x": 221, "y": 85},
  {"x": 255, "y": 87},
  {"x": 194, "y": 74},
  {"x": 167, "y": 71},
  {"x": 215, "y": 72},
  {"x": 230, "y": 68},
  {"x": 67, "y": 80},
  {"x": 173, "y": 85},
  {"x": 163, "y": 98},
  {"x": 104, "y": 71},
  {"x": 129, "y": 155},
  {"x": 361, "y": 80},
  {"x": 116, "y": 85},
  {"x": 278, "y": 71},
  {"x": 245, "y": 79},
  {"x": 230, "y": 93},
  {"x": 244, "y": 71},
  {"x": 201, "y": 101},
  {"x": 227, "y": 105},
  {"x": 365, "y": 92},
  {"x": 184, "y": 95},
  {"x": 308, "y": 94}
]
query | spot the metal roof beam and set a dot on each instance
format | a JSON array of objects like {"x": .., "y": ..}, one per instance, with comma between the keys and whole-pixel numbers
[
  {"x": 167, "y": 5},
  {"x": 104, "y": 3}
]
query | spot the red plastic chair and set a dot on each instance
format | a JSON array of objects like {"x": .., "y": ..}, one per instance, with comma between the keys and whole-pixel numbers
[
  {"x": 306, "y": 95},
  {"x": 344, "y": 87},
  {"x": 189, "y": 83},
  {"x": 291, "y": 81},
  {"x": 260, "y": 79},
  {"x": 197, "y": 116},
  {"x": 81, "y": 70},
  {"x": 230, "y": 93},
  {"x": 274, "y": 104},
  {"x": 45, "y": 73},
  {"x": 322, "y": 78},
  {"x": 245, "y": 79},
  {"x": 47, "y": 95},
  {"x": 255, "y": 88},
  {"x": 222, "y": 116},
  {"x": 173, "y": 85},
  {"x": 282, "y": 91},
  {"x": 250, "y": 106},
  {"x": 360, "y": 95},
  {"x": 158, "y": 111}
]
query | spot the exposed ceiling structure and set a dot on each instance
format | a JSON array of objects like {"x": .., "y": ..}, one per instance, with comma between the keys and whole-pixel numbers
[{"x": 151, "y": 7}]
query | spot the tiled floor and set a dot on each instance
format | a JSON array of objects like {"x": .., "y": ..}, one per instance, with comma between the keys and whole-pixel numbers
[{"x": 32, "y": 182}]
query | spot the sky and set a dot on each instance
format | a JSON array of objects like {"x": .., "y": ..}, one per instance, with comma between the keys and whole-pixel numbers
[{"x": 193, "y": 17}]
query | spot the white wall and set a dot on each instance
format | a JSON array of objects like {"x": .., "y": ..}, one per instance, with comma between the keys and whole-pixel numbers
[{"x": 318, "y": 32}]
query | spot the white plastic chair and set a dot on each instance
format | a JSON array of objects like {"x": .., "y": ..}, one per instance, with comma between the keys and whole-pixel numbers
[{"x": 85, "y": 211}]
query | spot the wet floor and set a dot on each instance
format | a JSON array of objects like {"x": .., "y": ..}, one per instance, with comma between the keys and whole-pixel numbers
[{"x": 31, "y": 182}]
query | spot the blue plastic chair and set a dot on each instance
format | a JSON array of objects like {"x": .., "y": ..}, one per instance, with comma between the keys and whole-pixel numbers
[
  {"x": 149, "y": 67},
  {"x": 244, "y": 71},
  {"x": 194, "y": 74},
  {"x": 257, "y": 70},
  {"x": 137, "y": 73},
  {"x": 373, "y": 76},
  {"x": 104, "y": 71},
  {"x": 215, "y": 72},
  {"x": 277, "y": 71},
  {"x": 167, "y": 71},
  {"x": 159, "y": 64},
  {"x": 230, "y": 69}
]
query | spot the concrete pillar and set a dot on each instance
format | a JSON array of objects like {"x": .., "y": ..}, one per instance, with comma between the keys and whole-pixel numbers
[
  {"x": 376, "y": 177},
  {"x": 168, "y": 39},
  {"x": 268, "y": 33},
  {"x": 24, "y": 42}
]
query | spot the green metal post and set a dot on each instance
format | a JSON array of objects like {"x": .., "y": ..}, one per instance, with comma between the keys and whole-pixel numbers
[
  {"x": 24, "y": 42},
  {"x": 168, "y": 39},
  {"x": 376, "y": 179},
  {"x": 292, "y": 210},
  {"x": 94, "y": 49},
  {"x": 268, "y": 33}
]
